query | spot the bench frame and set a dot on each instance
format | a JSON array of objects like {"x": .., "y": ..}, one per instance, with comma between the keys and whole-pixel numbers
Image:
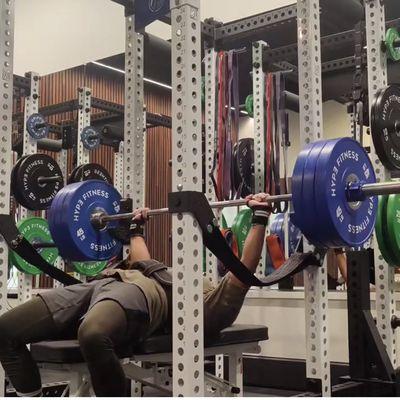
[{"x": 155, "y": 370}]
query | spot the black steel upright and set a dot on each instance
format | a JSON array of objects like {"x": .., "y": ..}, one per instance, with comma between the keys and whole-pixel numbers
[{"x": 370, "y": 370}]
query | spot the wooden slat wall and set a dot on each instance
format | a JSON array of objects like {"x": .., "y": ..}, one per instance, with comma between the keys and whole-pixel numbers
[
  {"x": 62, "y": 86},
  {"x": 158, "y": 178}
]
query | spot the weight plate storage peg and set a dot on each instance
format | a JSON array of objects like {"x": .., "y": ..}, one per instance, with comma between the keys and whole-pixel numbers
[
  {"x": 340, "y": 163},
  {"x": 385, "y": 126},
  {"x": 37, "y": 127},
  {"x": 75, "y": 203},
  {"x": 36, "y": 180},
  {"x": 89, "y": 171},
  {"x": 392, "y": 40},
  {"x": 35, "y": 230},
  {"x": 90, "y": 138}
]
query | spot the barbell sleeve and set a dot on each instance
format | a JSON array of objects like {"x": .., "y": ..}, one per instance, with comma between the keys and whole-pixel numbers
[
  {"x": 373, "y": 189},
  {"x": 377, "y": 189}
]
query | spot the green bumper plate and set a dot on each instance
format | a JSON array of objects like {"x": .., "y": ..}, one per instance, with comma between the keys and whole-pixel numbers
[
  {"x": 391, "y": 37},
  {"x": 393, "y": 226},
  {"x": 241, "y": 227},
  {"x": 34, "y": 230},
  {"x": 249, "y": 105},
  {"x": 381, "y": 230},
  {"x": 224, "y": 224},
  {"x": 91, "y": 268}
]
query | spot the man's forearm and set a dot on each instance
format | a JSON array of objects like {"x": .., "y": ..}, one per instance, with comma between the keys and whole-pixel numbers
[
  {"x": 342, "y": 264},
  {"x": 252, "y": 250},
  {"x": 138, "y": 250}
]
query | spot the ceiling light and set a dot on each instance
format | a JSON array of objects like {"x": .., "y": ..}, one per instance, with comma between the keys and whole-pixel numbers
[{"x": 121, "y": 71}]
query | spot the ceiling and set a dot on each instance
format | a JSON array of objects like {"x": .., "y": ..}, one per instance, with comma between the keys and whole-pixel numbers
[{"x": 337, "y": 16}]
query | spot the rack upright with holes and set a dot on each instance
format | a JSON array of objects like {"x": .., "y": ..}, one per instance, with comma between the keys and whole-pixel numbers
[
  {"x": 315, "y": 277},
  {"x": 62, "y": 160},
  {"x": 377, "y": 79},
  {"x": 6, "y": 103},
  {"x": 259, "y": 128},
  {"x": 188, "y": 353},
  {"x": 83, "y": 154},
  {"x": 132, "y": 152},
  {"x": 187, "y": 250},
  {"x": 29, "y": 147},
  {"x": 84, "y": 108}
]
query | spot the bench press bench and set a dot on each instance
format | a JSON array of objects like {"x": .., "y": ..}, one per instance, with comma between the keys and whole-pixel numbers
[{"x": 150, "y": 363}]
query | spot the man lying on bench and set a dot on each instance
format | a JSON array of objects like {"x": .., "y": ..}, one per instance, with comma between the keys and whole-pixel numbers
[{"x": 125, "y": 304}]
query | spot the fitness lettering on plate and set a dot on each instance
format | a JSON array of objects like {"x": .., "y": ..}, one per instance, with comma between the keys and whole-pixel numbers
[
  {"x": 29, "y": 184},
  {"x": 35, "y": 230},
  {"x": 339, "y": 170},
  {"x": 321, "y": 178},
  {"x": 86, "y": 196},
  {"x": 80, "y": 233}
]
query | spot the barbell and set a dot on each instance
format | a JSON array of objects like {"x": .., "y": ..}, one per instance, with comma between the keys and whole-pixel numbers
[{"x": 333, "y": 197}]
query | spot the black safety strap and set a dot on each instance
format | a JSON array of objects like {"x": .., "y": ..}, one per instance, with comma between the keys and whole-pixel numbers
[
  {"x": 196, "y": 204},
  {"x": 24, "y": 249}
]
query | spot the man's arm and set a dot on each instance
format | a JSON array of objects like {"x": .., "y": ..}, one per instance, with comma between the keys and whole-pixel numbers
[
  {"x": 341, "y": 260},
  {"x": 138, "y": 250},
  {"x": 254, "y": 243}
]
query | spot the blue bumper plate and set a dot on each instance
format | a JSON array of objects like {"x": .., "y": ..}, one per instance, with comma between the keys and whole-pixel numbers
[
  {"x": 343, "y": 161},
  {"x": 278, "y": 228},
  {"x": 299, "y": 218},
  {"x": 70, "y": 221}
]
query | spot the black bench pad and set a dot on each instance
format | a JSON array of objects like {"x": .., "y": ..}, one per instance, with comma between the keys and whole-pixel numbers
[{"x": 68, "y": 351}]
